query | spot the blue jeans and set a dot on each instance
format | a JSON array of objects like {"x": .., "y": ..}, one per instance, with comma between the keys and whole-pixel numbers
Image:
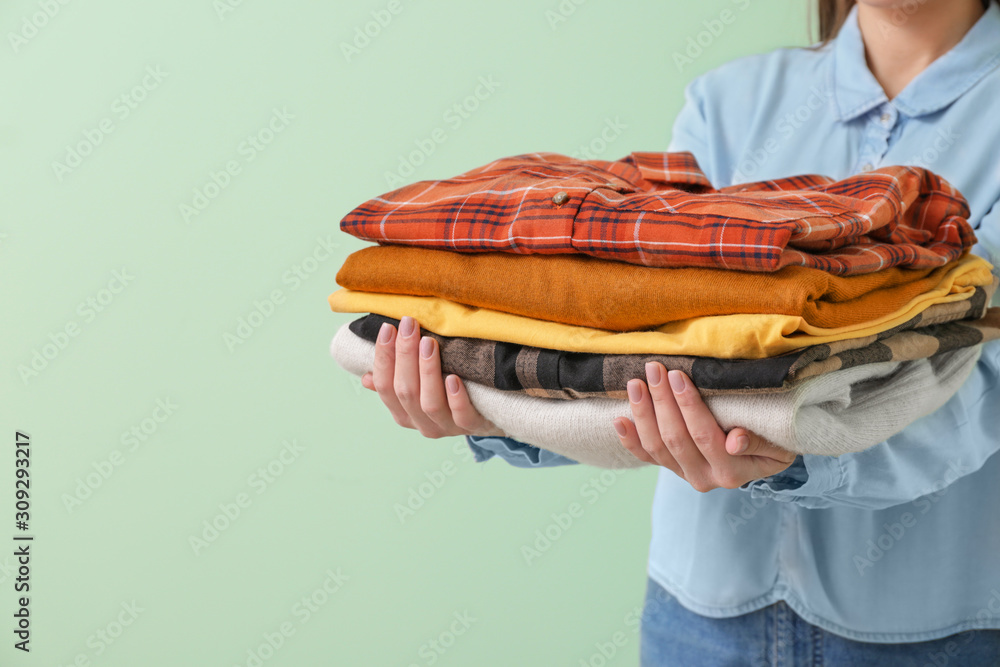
[{"x": 776, "y": 635}]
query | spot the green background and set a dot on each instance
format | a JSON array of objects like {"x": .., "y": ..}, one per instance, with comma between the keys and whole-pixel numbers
[{"x": 560, "y": 73}]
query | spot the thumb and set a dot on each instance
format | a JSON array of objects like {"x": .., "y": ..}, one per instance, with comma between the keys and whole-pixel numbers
[{"x": 741, "y": 442}]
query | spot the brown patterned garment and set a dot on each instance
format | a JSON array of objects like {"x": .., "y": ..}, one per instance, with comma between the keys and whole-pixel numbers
[{"x": 570, "y": 375}]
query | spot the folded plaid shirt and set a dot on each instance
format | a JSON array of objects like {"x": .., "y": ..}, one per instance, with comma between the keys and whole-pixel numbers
[{"x": 659, "y": 209}]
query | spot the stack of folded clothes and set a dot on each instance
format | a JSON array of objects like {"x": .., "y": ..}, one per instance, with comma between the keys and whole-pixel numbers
[{"x": 823, "y": 315}]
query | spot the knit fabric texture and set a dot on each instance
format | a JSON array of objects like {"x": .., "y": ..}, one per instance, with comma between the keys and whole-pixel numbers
[
  {"x": 836, "y": 413},
  {"x": 659, "y": 209},
  {"x": 747, "y": 336},
  {"x": 571, "y": 375},
  {"x": 604, "y": 294}
]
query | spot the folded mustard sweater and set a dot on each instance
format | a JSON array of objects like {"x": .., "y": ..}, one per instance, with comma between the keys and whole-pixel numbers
[{"x": 605, "y": 294}]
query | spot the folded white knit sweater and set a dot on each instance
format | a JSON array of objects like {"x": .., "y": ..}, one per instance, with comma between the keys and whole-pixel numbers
[{"x": 832, "y": 414}]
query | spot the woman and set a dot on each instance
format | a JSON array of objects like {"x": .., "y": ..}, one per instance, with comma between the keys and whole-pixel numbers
[{"x": 887, "y": 556}]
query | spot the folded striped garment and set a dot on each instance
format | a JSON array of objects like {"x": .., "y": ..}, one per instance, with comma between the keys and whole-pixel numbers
[
  {"x": 556, "y": 374},
  {"x": 836, "y": 413},
  {"x": 745, "y": 336},
  {"x": 659, "y": 209},
  {"x": 604, "y": 294}
]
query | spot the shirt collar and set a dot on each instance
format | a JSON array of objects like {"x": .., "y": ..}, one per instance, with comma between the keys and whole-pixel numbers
[{"x": 855, "y": 90}]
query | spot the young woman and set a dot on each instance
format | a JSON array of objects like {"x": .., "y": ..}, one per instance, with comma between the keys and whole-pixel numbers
[{"x": 890, "y": 556}]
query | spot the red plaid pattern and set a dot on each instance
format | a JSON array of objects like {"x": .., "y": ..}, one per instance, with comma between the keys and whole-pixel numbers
[{"x": 659, "y": 209}]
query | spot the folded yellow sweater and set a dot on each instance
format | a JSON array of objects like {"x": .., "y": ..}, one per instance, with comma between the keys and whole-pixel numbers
[{"x": 745, "y": 336}]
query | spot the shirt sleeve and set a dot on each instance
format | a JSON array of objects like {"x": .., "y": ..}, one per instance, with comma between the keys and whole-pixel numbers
[
  {"x": 988, "y": 239},
  {"x": 925, "y": 457},
  {"x": 514, "y": 452}
]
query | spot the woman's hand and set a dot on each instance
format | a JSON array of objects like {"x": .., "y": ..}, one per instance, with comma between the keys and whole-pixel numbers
[
  {"x": 675, "y": 429},
  {"x": 407, "y": 377}
]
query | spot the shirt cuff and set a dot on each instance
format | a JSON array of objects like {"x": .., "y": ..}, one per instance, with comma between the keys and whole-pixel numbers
[
  {"x": 517, "y": 454},
  {"x": 805, "y": 482}
]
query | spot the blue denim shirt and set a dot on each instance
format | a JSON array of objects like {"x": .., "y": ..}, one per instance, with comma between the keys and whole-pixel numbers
[{"x": 900, "y": 542}]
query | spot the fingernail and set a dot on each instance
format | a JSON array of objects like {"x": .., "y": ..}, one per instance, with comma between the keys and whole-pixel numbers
[
  {"x": 677, "y": 382},
  {"x": 634, "y": 391},
  {"x": 426, "y": 347},
  {"x": 451, "y": 382},
  {"x": 406, "y": 326},
  {"x": 385, "y": 333},
  {"x": 742, "y": 442},
  {"x": 653, "y": 374},
  {"x": 620, "y": 428}
]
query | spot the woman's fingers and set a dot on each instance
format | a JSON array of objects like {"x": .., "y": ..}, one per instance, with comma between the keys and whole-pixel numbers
[
  {"x": 702, "y": 427},
  {"x": 433, "y": 401},
  {"x": 406, "y": 380},
  {"x": 760, "y": 467},
  {"x": 649, "y": 428},
  {"x": 755, "y": 458},
  {"x": 741, "y": 442},
  {"x": 383, "y": 374},
  {"x": 629, "y": 437},
  {"x": 674, "y": 430},
  {"x": 645, "y": 420},
  {"x": 407, "y": 377},
  {"x": 754, "y": 462},
  {"x": 464, "y": 414}
]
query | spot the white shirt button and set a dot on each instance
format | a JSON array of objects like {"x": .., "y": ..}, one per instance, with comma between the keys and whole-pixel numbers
[{"x": 867, "y": 166}]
